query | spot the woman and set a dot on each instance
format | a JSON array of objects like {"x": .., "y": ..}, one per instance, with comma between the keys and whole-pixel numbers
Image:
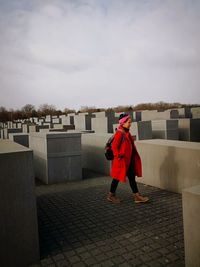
[{"x": 126, "y": 161}]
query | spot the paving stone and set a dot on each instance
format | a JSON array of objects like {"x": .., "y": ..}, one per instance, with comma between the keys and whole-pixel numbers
[
  {"x": 79, "y": 264},
  {"x": 101, "y": 257},
  {"x": 85, "y": 255},
  {"x": 95, "y": 252},
  {"x": 135, "y": 262},
  {"x": 90, "y": 261},
  {"x": 92, "y": 231},
  {"x": 118, "y": 260},
  {"x": 107, "y": 263},
  {"x": 62, "y": 263},
  {"x": 58, "y": 257},
  {"x": 80, "y": 250},
  {"x": 74, "y": 259},
  {"x": 46, "y": 261},
  {"x": 125, "y": 264}
]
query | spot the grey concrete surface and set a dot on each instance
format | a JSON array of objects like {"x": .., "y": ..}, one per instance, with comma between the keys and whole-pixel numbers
[
  {"x": 93, "y": 157},
  {"x": 168, "y": 164},
  {"x": 191, "y": 215},
  {"x": 57, "y": 156},
  {"x": 189, "y": 130},
  {"x": 18, "y": 215},
  {"x": 142, "y": 130},
  {"x": 159, "y": 115},
  {"x": 165, "y": 129},
  {"x": 20, "y": 138},
  {"x": 195, "y": 113},
  {"x": 10, "y": 130}
]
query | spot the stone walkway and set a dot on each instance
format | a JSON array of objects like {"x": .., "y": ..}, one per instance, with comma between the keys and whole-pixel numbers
[{"x": 79, "y": 227}]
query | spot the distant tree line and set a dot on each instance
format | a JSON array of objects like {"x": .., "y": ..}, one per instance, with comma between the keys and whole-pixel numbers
[
  {"x": 29, "y": 110},
  {"x": 160, "y": 106}
]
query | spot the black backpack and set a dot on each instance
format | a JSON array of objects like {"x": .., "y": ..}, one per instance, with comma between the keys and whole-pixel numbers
[{"x": 108, "y": 148}]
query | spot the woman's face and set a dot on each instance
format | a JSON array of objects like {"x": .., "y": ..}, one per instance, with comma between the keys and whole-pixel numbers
[{"x": 127, "y": 124}]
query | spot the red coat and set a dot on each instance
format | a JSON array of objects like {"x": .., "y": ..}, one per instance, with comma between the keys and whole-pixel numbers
[{"x": 122, "y": 156}]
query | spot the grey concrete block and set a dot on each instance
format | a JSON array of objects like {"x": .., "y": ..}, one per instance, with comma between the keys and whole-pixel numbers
[
  {"x": 93, "y": 157},
  {"x": 18, "y": 220},
  {"x": 48, "y": 118},
  {"x": 195, "y": 113},
  {"x": 88, "y": 121},
  {"x": 12, "y": 130},
  {"x": 56, "y": 120},
  {"x": 2, "y": 133},
  {"x": 68, "y": 127},
  {"x": 184, "y": 129},
  {"x": 42, "y": 127},
  {"x": 71, "y": 118},
  {"x": 191, "y": 223},
  {"x": 100, "y": 125},
  {"x": 57, "y": 156},
  {"x": 104, "y": 121},
  {"x": 142, "y": 130},
  {"x": 189, "y": 130},
  {"x": 137, "y": 116},
  {"x": 32, "y": 128},
  {"x": 19, "y": 125},
  {"x": 79, "y": 121},
  {"x": 20, "y": 138},
  {"x": 195, "y": 130},
  {"x": 185, "y": 112},
  {"x": 165, "y": 129},
  {"x": 26, "y": 127},
  {"x": 57, "y": 126},
  {"x": 49, "y": 124},
  {"x": 65, "y": 120},
  {"x": 159, "y": 115},
  {"x": 112, "y": 119},
  {"x": 168, "y": 164},
  {"x": 174, "y": 114}
]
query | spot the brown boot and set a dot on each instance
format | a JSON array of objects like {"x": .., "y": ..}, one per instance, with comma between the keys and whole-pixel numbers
[
  {"x": 112, "y": 198},
  {"x": 140, "y": 199}
]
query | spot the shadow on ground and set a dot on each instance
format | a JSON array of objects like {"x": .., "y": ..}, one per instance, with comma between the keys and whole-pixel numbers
[{"x": 78, "y": 227}]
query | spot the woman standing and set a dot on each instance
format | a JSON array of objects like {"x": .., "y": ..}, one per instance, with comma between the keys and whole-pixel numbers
[{"x": 126, "y": 161}]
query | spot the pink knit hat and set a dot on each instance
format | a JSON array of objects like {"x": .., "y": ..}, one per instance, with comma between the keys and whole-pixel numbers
[{"x": 124, "y": 119}]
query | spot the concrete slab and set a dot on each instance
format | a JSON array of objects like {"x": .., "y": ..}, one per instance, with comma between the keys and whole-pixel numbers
[
  {"x": 142, "y": 130},
  {"x": 191, "y": 218},
  {"x": 93, "y": 157},
  {"x": 20, "y": 138},
  {"x": 170, "y": 165},
  {"x": 57, "y": 156},
  {"x": 11, "y": 130},
  {"x": 195, "y": 113},
  {"x": 189, "y": 130},
  {"x": 18, "y": 220},
  {"x": 165, "y": 129}
]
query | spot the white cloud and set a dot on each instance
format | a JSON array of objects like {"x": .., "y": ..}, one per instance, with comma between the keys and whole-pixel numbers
[{"x": 102, "y": 53}]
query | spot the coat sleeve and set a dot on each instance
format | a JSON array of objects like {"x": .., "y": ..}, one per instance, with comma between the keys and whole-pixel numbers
[{"x": 116, "y": 144}]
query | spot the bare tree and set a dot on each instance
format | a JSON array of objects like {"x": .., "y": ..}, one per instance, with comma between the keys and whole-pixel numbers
[
  {"x": 4, "y": 116},
  {"x": 68, "y": 110},
  {"x": 46, "y": 109},
  {"x": 27, "y": 111}
]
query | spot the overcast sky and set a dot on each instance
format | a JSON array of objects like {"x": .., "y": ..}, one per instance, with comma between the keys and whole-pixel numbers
[{"x": 101, "y": 53}]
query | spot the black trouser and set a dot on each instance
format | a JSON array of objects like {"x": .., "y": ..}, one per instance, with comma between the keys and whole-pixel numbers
[{"x": 131, "y": 176}]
